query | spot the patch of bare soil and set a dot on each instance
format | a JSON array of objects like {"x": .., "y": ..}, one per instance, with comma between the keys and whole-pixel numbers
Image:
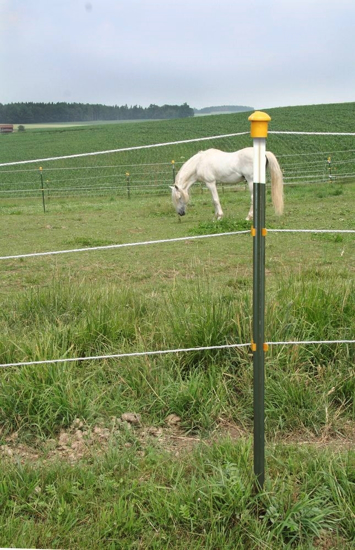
[
  {"x": 327, "y": 438},
  {"x": 81, "y": 442}
]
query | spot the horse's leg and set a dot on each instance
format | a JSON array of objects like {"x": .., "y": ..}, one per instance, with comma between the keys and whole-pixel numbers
[
  {"x": 250, "y": 214},
  {"x": 215, "y": 199}
]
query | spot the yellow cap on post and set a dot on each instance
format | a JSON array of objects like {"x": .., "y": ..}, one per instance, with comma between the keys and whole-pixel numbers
[{"x": 259, "y": 124}]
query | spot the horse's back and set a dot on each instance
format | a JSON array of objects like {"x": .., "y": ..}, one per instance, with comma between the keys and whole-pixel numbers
[
  {"x": 215, "y": 164},
  {"x": 214, "y": 155}
]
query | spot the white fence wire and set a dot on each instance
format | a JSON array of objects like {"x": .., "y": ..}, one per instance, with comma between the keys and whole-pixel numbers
[{"x": 161, "y": 241}]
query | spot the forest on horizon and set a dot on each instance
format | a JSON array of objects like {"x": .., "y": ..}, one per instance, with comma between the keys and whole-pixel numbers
[{"x": 34, "y": 113}]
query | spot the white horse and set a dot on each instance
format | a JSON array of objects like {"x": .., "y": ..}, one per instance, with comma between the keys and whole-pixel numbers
[{"x": 213, "y": 165}]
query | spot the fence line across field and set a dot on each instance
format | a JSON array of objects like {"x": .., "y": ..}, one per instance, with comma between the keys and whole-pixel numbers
[
  {"x": 321, "y": 163},
  {"x": 129, "y": 165},
  {"x": 288, "y": 173},
  {"x": 123, "y": 149},
  {"x": 176, "y": 239},
  {"x": 310, "y": 230},
  {"x": 290, "y": 133},
  {"x": 138, "y": 184},
  {"x": 124, "y": 245},
  {"x": 179, "y": 142},
  {"x": 59, "y": 192},
  {"x": 168, "y": 351},
  {"x": 160, "y": 184},
  {"x": 96, "y": 167},
  {"x": 332, "y": 178},
  {"x": 312, "y": 153}
]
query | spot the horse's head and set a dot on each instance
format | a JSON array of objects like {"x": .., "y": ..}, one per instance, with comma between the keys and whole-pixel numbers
[{"x": 180, "y": 199}]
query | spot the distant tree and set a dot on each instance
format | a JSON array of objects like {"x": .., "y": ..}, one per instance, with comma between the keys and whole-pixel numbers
[{"x": 186, "y": 111}]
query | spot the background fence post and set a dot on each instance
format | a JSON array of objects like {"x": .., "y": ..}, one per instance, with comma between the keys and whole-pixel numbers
[
  {"x": 128, "y": 185},
  {"x": 173, "y": 165},
  {"x": 329, "y": 168},
  {"x": 259, "y": 126},
  {"x": 42, "y": 187}
]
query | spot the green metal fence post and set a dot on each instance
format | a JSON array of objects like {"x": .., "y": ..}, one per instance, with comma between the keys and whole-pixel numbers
[{"x": 259, "y": 126}]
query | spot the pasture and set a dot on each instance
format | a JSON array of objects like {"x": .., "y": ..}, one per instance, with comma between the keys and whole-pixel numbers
[{"x": 177, "y": 472}]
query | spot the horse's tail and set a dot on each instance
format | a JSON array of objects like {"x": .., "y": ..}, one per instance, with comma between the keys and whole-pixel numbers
[{"x": 277, "y": 194}]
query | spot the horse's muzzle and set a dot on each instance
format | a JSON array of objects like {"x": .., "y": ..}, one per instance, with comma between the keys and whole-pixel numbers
[{"x": 182, "y": 213}]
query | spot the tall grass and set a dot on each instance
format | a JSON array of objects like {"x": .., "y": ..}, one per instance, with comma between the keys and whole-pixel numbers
[
  {"x": 135, "y": 494},
  {"x": 309, "y": 386}
]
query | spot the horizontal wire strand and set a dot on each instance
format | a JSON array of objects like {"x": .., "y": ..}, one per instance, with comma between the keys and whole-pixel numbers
[
  {"x": 177, "y": 239},
  {"x": 168, "y": 351}
]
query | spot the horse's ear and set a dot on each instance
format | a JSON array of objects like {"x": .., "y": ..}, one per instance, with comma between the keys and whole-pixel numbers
[{"x": 174, "y": 187}]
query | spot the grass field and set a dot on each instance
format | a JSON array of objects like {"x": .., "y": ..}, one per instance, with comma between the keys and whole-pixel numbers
[{"x": 176, "y": 472}]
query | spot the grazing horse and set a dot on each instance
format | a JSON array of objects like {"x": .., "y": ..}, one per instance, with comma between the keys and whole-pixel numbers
[{"x": 213, "y": 165}]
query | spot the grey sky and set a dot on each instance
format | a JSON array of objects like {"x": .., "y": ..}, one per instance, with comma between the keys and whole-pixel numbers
[{"x": 262, "y": 53}]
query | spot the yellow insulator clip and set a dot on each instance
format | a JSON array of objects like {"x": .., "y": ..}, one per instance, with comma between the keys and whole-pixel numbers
[
  {"x": 263, "y": 232},
  {"x": 266, "y": 347}
]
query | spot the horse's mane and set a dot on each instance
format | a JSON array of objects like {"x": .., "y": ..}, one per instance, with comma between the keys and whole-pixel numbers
[{"x": 187, "y": 170}]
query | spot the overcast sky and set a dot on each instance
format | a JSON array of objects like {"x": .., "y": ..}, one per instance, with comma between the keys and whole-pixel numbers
[{"x": 261, "y": 53}]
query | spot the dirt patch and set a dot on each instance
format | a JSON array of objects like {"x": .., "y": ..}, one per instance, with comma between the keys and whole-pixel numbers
[
  {"x": 80, "y": 441},
  {"x": 327, "y": 438}
]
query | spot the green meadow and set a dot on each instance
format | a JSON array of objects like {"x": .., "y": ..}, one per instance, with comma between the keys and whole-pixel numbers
[{"x": 156, "y": 451}]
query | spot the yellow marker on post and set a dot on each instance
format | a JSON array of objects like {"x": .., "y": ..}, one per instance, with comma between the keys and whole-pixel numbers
[{"x": 259, "y": 124}]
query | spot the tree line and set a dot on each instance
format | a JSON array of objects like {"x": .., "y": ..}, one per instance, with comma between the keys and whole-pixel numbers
[{"x": 32, "y": 113}]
